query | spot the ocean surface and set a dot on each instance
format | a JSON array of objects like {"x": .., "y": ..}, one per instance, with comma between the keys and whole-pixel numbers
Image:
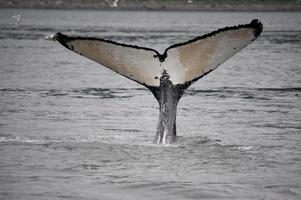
[{"x": 72, "y": 129}]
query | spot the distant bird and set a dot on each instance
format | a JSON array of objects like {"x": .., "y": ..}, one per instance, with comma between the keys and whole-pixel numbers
[
  {"x": 17, "y": 18},
  {"x": 113, "y": 4}
]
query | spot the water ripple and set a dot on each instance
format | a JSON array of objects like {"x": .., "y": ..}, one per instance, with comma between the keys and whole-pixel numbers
[{"x": 245, "y": 93}]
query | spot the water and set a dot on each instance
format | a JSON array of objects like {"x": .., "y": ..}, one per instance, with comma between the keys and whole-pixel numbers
[{"x": 71, "y": 129}]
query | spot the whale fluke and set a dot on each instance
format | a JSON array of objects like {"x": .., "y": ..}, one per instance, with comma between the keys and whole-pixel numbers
[{"x": 169, "y": 73}]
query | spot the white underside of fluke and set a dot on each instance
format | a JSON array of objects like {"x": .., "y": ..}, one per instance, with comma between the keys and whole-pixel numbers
[
  {"x": 190, "y": 61},
  {"x": 183, "y": 63}
]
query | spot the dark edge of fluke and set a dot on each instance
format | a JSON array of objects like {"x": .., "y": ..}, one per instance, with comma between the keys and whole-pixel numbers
[
  {"x": 61, "y": 38},
  {"x": 255, "y": 23}
]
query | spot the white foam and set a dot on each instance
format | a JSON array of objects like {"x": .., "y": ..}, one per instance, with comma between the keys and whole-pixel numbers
[
  {"x": 245, "y": 148},
  {"x": 50, "y": 37}
]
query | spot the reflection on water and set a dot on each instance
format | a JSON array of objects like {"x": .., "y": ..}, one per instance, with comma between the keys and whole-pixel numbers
[{"x": 71, "y": 129}]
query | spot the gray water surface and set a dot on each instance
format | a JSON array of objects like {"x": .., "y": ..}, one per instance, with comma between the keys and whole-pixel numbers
[{"x": 72, "y": 129}]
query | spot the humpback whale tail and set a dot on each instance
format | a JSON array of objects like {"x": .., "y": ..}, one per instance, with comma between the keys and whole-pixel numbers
[{"x": 166, "y": 74}]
